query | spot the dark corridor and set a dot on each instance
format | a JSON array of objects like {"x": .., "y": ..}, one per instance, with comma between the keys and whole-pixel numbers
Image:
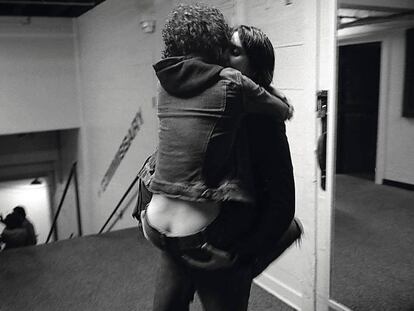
[{"x": 358, "y": 96}]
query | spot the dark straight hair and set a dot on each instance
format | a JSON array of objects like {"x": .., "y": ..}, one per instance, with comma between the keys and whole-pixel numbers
[{"x": 259, "y": 50}]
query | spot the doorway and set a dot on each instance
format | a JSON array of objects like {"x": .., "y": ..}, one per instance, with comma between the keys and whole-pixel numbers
[
  {"x": 372, "y": 234},
  {"x": 33, "y": 197},
  {"x": 358, "y": 98}
]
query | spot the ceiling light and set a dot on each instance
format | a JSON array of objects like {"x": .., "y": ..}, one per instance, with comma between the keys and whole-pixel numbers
[{"x": 36, "y": 181}]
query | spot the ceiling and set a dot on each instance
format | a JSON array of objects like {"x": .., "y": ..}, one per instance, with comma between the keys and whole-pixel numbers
[
  {"x": 357, "y": 17},
  {"x": 349, "y": 14},
  {"x": 365, "y": 12},
  {"x": 52, "y": 8}
]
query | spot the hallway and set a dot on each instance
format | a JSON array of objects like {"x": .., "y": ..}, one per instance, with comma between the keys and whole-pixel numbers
[{"x": 373, "y": 246}]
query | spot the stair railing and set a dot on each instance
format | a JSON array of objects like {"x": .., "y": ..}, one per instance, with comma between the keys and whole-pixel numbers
[
  {"x": 119, "y": 205},
  {"x": 73, "y": 174}
]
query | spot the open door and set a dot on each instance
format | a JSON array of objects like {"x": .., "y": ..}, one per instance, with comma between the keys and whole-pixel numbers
[{"x": 372, "y": 216}]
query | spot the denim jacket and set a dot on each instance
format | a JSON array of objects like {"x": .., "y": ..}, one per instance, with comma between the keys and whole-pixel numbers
[{"x": 202, "y": 152}]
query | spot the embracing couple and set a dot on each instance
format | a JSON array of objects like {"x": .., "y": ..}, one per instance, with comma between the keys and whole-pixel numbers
[{"x": 217, "y": 198}]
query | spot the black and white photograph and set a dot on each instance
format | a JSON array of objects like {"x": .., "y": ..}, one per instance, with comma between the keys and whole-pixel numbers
[{"x": 207, "y": 155}]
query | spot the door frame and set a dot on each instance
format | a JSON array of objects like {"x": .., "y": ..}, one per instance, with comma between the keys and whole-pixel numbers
[
  {"x": 326, "y": 80},
  {"x": 383, "y": 34}
]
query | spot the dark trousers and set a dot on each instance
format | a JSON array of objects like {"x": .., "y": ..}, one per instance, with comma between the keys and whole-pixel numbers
[{"x": 219, "y": 290}]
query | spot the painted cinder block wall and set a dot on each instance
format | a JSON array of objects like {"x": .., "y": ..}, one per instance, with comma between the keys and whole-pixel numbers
[{"x": 291, "y": 277}]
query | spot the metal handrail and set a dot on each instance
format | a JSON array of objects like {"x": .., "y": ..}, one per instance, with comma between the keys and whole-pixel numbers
[
  {"x": 73, "y": 173},
  {"x": 119, "y": 204},
  {"x": 118, "y": 217},
  {"x": 78, "y": 210}
]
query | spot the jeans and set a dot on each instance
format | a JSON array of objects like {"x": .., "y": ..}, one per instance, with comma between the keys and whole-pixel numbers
[{"x": 219, "y": 290}]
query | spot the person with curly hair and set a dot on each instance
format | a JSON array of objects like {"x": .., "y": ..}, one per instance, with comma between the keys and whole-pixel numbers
[
  {"x": 275, "y": 229},
  {"x": 196, "y": 30},
  {"x": 202, "y": 193}
]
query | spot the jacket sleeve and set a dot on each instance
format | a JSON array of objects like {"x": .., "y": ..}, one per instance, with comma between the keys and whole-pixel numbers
[
  {"x": 257, "y": 100},
  {"x": 274, "y": 183}
]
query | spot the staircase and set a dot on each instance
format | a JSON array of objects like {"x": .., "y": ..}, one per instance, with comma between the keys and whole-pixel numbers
[{"x": 112, "y": 271}]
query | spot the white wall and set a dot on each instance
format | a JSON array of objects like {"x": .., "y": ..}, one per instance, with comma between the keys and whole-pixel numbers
[
  {"x": 291, "y": 277},
  {"x": 116, "y": 78},
  {"x": 399, "y": 140},
  {"x": 395, "y": 133},
  {"x": 38, "y": 76},
  {"x": 35, "y": 200}
]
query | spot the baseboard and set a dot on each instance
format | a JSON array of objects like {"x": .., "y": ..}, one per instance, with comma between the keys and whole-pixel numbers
[
  {"x": 398, "y": 184},
  {"x": 280, "y": 290}
]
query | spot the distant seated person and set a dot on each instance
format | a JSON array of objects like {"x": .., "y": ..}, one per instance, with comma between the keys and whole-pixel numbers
[
  {"x": 14, "y": 235},
  {"x": 31, "y": 235}
]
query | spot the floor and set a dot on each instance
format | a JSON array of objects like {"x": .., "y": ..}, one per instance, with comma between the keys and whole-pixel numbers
[
  {"x": 373, "y": 249},
  {"x": 113, "y": 271},
  {"x": 372, "y": 262}
]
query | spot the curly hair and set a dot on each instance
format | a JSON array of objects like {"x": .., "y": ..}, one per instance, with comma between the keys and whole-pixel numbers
[
  {"x": 196, "y": 29},
  {"x": 259, "y": 51}
]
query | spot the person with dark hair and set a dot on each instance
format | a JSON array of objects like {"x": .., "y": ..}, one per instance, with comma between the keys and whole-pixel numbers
[
  {"x": 251, "y": 52},
  {"x": 31, "y": 235},
  {"x": 14, "y": 235},
  {"x": 202, "y": 193}
]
